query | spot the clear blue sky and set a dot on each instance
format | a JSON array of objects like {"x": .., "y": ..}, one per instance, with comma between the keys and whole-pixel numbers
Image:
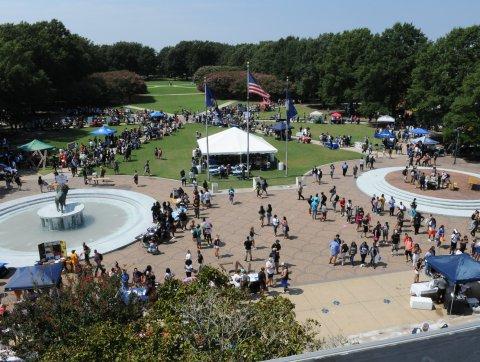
[{"x": 159, "y": 23}]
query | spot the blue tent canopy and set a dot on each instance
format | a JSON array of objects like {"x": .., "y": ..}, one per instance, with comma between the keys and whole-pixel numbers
[
  {"x": 280, "y": 126},
  {"x": 425, "y": 140},
  {"x": 384, "y": 134},
  {"x": 35, "y": 277},
  {"x": 419, "y": 131},
  {"x": 156, "y": 114},
  {"x": 459, "y": 269},
  {"x": 103, "y": 131}
]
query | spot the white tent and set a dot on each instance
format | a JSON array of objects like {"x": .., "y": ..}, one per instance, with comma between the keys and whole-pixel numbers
[
  {"x": 233, "y": 141},
  {"x": 425, "y": 140},
  {"x": 386, "y": 119},
  {"x": 316, "y": 114}
]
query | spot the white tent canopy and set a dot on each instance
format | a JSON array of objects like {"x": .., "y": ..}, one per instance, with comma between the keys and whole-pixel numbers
[
  {"x": 386, "y": 119},
  {"x": 233, "y": 141},
  {"x": 316, "y": 114}
]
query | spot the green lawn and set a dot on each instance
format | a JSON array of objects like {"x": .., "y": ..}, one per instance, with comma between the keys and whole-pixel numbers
[
  {"x": 177, "y": 150},
  {"x": 171, "y": 99},
  {"x": 302, "y": 110}
]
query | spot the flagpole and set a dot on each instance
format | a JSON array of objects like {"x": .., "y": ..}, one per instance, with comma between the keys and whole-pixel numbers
[
  {"x": 248, "y": 125},
  {"x": 286, "y": 132},
  {"x": 206, "y": 126}
]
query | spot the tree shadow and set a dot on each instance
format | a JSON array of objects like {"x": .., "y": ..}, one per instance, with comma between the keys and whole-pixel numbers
[{"x": 143, "y": 98}]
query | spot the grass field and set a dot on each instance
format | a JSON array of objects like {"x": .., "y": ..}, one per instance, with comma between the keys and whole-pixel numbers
[
  {"x": 177, "y": 150},
  {"x": 302, "y": 110},
  {"x": 173, "y": 98}
]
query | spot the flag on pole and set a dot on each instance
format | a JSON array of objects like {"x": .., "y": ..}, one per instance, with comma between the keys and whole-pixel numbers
[
  {"x": 291, "y": 110},
  {"x": 255, "y": 88},
  {"x": 209, "y": 98}
]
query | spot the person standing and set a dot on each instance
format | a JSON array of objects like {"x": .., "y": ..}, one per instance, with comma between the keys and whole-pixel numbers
[
  {"x": 270, "y": 268},
  {"x": 199, "y": 260},
  {"x": 363, "y": 252},
  {"x": 262, "y": 213},
  {"x": 40, "y": 183},
  {"x": 135, "y": 178},
  {"x": 269, "y": 214},
  {"x": 332, "y": 170},
  {"x": 285, "y": 228},
  {"x": 86, "y": 253},
  {"x": 374, "y": 255},
  {"x": 334, "y": 250},
  {"x": 355, "y": 171},
  {"x": 352, "y": 252},
  {"x": 231, "y": 195},
  {"x": 391, "y": 205},
  {"x": 284, "y": 277},
  {"x": 196, "y": 206},
  {"x": 342, "y": 206},
  {"x": 275, "y": 224},
  {"x": 262, "y": 280},
  {"x": 320, "y": 175},
  {"x": 216, "y": 246},
  {"x": 124, "y": 277},
  {"x": 344, "y": 169},
  {"x": 183, "y": 178},
  {"x": 395, "y": 242},
  {"x": 408, "y": 242},
  {"x": 248, "y": 248}
]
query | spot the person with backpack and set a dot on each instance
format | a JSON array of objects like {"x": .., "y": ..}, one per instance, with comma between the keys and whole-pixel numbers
[
  {"x": 231, "y": 195},
  {"x": 98, "y": 258}
]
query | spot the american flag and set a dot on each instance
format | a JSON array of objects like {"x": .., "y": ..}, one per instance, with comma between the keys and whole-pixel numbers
[{"x": 254, "y": 87}]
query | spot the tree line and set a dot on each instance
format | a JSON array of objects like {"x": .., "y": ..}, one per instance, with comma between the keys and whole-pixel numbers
[{"x": 44, "y": 65}]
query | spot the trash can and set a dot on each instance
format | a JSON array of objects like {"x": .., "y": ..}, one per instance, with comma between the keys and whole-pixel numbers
[{"x": 281, "y": 166}]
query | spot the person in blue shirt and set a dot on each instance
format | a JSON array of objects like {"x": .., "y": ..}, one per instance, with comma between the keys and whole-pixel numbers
[
  {"x": 334, "y": 249},
  {"x": 124, "y": 278}
]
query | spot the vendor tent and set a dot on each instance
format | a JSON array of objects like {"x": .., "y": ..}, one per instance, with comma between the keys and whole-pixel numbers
[
  {"x": 38, "y": 148},
  {"x": 457, "y": 269},
  {"x": 316, "y": 114},
  {"x": 419, "y": 131},
  {"x": 156, "y": 114},
  {"x": 336, "y": 115},
  {"x": 103, "y": 131},
  {"x": 384, "y": 134},
  {"x": 233, "y": 141},
  {"x": 425, "y": 140},
  {"x": 385, "y": 119},
  {"x": 35, "y": 277}
]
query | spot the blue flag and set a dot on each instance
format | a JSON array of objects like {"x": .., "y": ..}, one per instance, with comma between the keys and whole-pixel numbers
[
  {"x": 291, "y": 111},
  {"x": 209, "y": 99}
]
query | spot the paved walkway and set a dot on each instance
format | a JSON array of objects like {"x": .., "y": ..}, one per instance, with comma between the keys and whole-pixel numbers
[{"x": 367, "y": 308}]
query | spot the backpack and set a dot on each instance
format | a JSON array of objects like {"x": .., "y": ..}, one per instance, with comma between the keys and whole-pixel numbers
[{"x": 100, "y": 256}]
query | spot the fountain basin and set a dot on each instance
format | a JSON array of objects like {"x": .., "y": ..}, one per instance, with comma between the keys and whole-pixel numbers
[
  {"x": 112, "y": 218},
  {"x": 70, "y": 218}
]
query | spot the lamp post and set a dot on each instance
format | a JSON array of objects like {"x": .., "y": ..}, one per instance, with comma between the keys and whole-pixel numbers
[{"x": 456, "y": 146}]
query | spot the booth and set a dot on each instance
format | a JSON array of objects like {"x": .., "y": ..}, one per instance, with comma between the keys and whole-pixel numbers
[
  {"x": 419, "y": 132},
  {"x": 37, "y": 148},
  {"x": 317, "y": 117},
  {"x": 103, "y": 131},
  {"x": 385, "y": 119},
  {"x": 384, "y": 134},
  {"x": 52, "y": 250},
  {"x": 35, "y": 277},
  {"x": 426, "y": 141},
  {"x": 459, "y": 270}
]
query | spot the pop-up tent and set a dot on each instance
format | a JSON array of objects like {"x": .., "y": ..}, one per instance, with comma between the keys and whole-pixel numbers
[
  {"x": 233, "y": 141},
  {"x": 457, "y": 269},
  {"x": 103, "y": 131},
  {"x": 35, "y": 277},
  {"x": 156, "y": 114},
  {"x": 37, "y": 148},
  {"x": 419, "y": 132},
  {"x": 425, "y": 140},
  {"x": 385, "y": 119},
  {"x": 384, "y": 134}
]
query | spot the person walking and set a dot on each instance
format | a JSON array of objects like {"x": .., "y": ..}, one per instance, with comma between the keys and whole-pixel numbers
[
  {"x": 135, "y": 178},
  {"x": 262, "y": 280},
  {"x": 262, "y": 213},
  {"x": 300, "y": 191},
  {"x": 408, "y": 242},
  {"x": 269, "y": 214},
  {"x": 231, "y": 195},
  {"x": 334, "y": 250},
  {"x": 98, "y": 258},
  {"x": 199, "y": 260},
  {"x": 41, "y": 183},
  {"x": 248, "y": 248},
  {"x": 270, "y": 268},
  {"x": 216, "y": 246},
  {"x": 344, "y": 169},
  {"x": 355, "y": 171},
  {"x": 332, "y": 170},
  {"x": 374, "y": 255},
  {"x": 333, "y": 192},
  {"x": 196, "y": 206}
]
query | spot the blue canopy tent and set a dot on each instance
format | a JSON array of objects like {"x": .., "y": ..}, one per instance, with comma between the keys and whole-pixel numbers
[
  {"x": 419, "y": 131},
  {"x": 35, "y": 277},
  {"x": 103, "y": 131},
  {"x": 425, "y": 140},
  {"x": 458, "y": 269},
  {"x": 384, "y": 134},
  {"x": 157, "y": 114}
]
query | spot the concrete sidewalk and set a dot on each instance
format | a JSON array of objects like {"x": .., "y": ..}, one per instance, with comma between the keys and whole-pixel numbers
[{"x": 368, "y": 308}]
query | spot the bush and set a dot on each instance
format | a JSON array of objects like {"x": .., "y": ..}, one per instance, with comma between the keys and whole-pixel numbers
[{"x": 207, "y": 70}]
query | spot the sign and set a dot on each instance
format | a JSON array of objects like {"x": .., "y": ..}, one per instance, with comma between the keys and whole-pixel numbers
[{"x": 52, "y": 250}]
